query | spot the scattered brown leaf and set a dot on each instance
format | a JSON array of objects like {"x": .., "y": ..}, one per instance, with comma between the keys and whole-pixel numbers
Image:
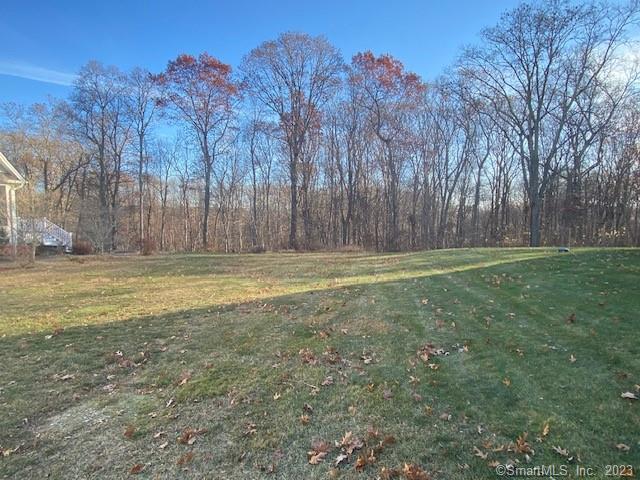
[
  {"x": 340, "y": 458},
  {"x": 186, "y": 458},
  {"x": 188, "y": 435},
  {"x": 319, "y": 450},
  {"x": 327, "y": 381},
  {"x": 350, "y": 442},
  {"x": 560, "y": 451},
  {"x": 413, "y": 472},
  {"x": 545, "y": 429},
  {"x": 307, "y": 356},
  {"x": 522, "y": 446},
  {"x": 479, "y": 453},
  {"x": 129, "y": 431},
  {"x": 184, "y": 378}
]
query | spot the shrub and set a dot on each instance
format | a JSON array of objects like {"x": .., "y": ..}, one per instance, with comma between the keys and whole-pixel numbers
[
  {"x": 82, "y": 247},
  {"x": 22, "y": 253},
  {"x": 148, "y": 246}
]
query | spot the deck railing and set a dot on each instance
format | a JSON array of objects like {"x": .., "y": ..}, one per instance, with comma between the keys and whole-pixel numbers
[{"x": 43, "y": 230}]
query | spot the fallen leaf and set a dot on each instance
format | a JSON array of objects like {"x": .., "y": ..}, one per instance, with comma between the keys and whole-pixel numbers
[
  {"x": 388, "y": 473},
  {"x": 129, "y": 431},
  {"x": 307, "y": 356},
  {"x": 361, "y": 462},
  {"x": 184, "y": 378},
  {"x": 327, "y": 381},
  {"x": 340, "y": 458},
  {"x": 389, "y": 440},
  {"x": 413, "y": 472},
  {"x": 623, "y": 447},
  {"x": 479, "y": 453},
  {"x": 8, "y": 451},
  {"x": 350, "y": 443},
  {"x": 545, "y": 429},
  {"x": 629, "y": 396},
  {"x": 506, "y": 381},
  {"x": 522, "y": 445},
  {"x": 316, "y": 457},
  {"x": 136, "y": 469},
  {"x": 318, "y": 452},
  {"x": 186, "y": 458},
  {"x": 560, "y": 451},
  {"x": 304, "y": 419},
  {"x": 164, "y": 445},
  {"x": 372, "y": 458},
  {"x": 188, "y": 435}
]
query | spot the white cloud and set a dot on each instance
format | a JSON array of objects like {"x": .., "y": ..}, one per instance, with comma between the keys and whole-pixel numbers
[{"x": 34, "y": 72}]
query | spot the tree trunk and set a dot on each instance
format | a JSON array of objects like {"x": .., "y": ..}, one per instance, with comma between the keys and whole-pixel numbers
[
  {"x": 206, "y": 206},
  {"x": 293, "y": 226},
  {"x": 140, "y": 191}
]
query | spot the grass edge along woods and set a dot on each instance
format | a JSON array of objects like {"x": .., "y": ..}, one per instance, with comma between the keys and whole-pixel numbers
[{"x": 251, "y": 366}]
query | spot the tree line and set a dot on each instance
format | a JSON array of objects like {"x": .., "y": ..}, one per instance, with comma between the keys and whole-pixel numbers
[{"x": 531, "y": 137}]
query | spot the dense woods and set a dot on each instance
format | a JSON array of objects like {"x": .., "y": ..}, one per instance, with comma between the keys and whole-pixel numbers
[{"x": 531, "y": 137}]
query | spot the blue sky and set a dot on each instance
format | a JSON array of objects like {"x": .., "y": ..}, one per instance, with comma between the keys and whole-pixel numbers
[{"x": 50, "y": 40}]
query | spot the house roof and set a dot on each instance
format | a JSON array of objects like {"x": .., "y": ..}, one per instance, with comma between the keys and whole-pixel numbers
[{"x": 8, "y": 173}]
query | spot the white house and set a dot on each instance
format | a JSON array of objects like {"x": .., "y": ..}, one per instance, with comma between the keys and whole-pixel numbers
[{"x": 10, "y": 181}]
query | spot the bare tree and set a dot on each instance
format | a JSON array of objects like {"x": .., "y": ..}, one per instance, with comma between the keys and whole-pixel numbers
[
  {"x": 201, "y": 92},
  {"x": 390, "y": 95},
  {"x": 98, "y": 113},
  {"x": 142, "y": 102},
  {"x": 293, "y": 76},
  {"x": 532, "y": 67}
]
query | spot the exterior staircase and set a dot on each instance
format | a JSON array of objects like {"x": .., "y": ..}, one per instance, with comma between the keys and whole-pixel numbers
[{"x": 47, "y": 233}]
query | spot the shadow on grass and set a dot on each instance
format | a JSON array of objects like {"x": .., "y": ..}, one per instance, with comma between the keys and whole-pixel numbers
[{"x": 237, "y": 357}]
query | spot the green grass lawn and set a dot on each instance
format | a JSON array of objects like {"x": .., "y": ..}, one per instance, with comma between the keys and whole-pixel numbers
[{"x": 251, "y": 366}]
